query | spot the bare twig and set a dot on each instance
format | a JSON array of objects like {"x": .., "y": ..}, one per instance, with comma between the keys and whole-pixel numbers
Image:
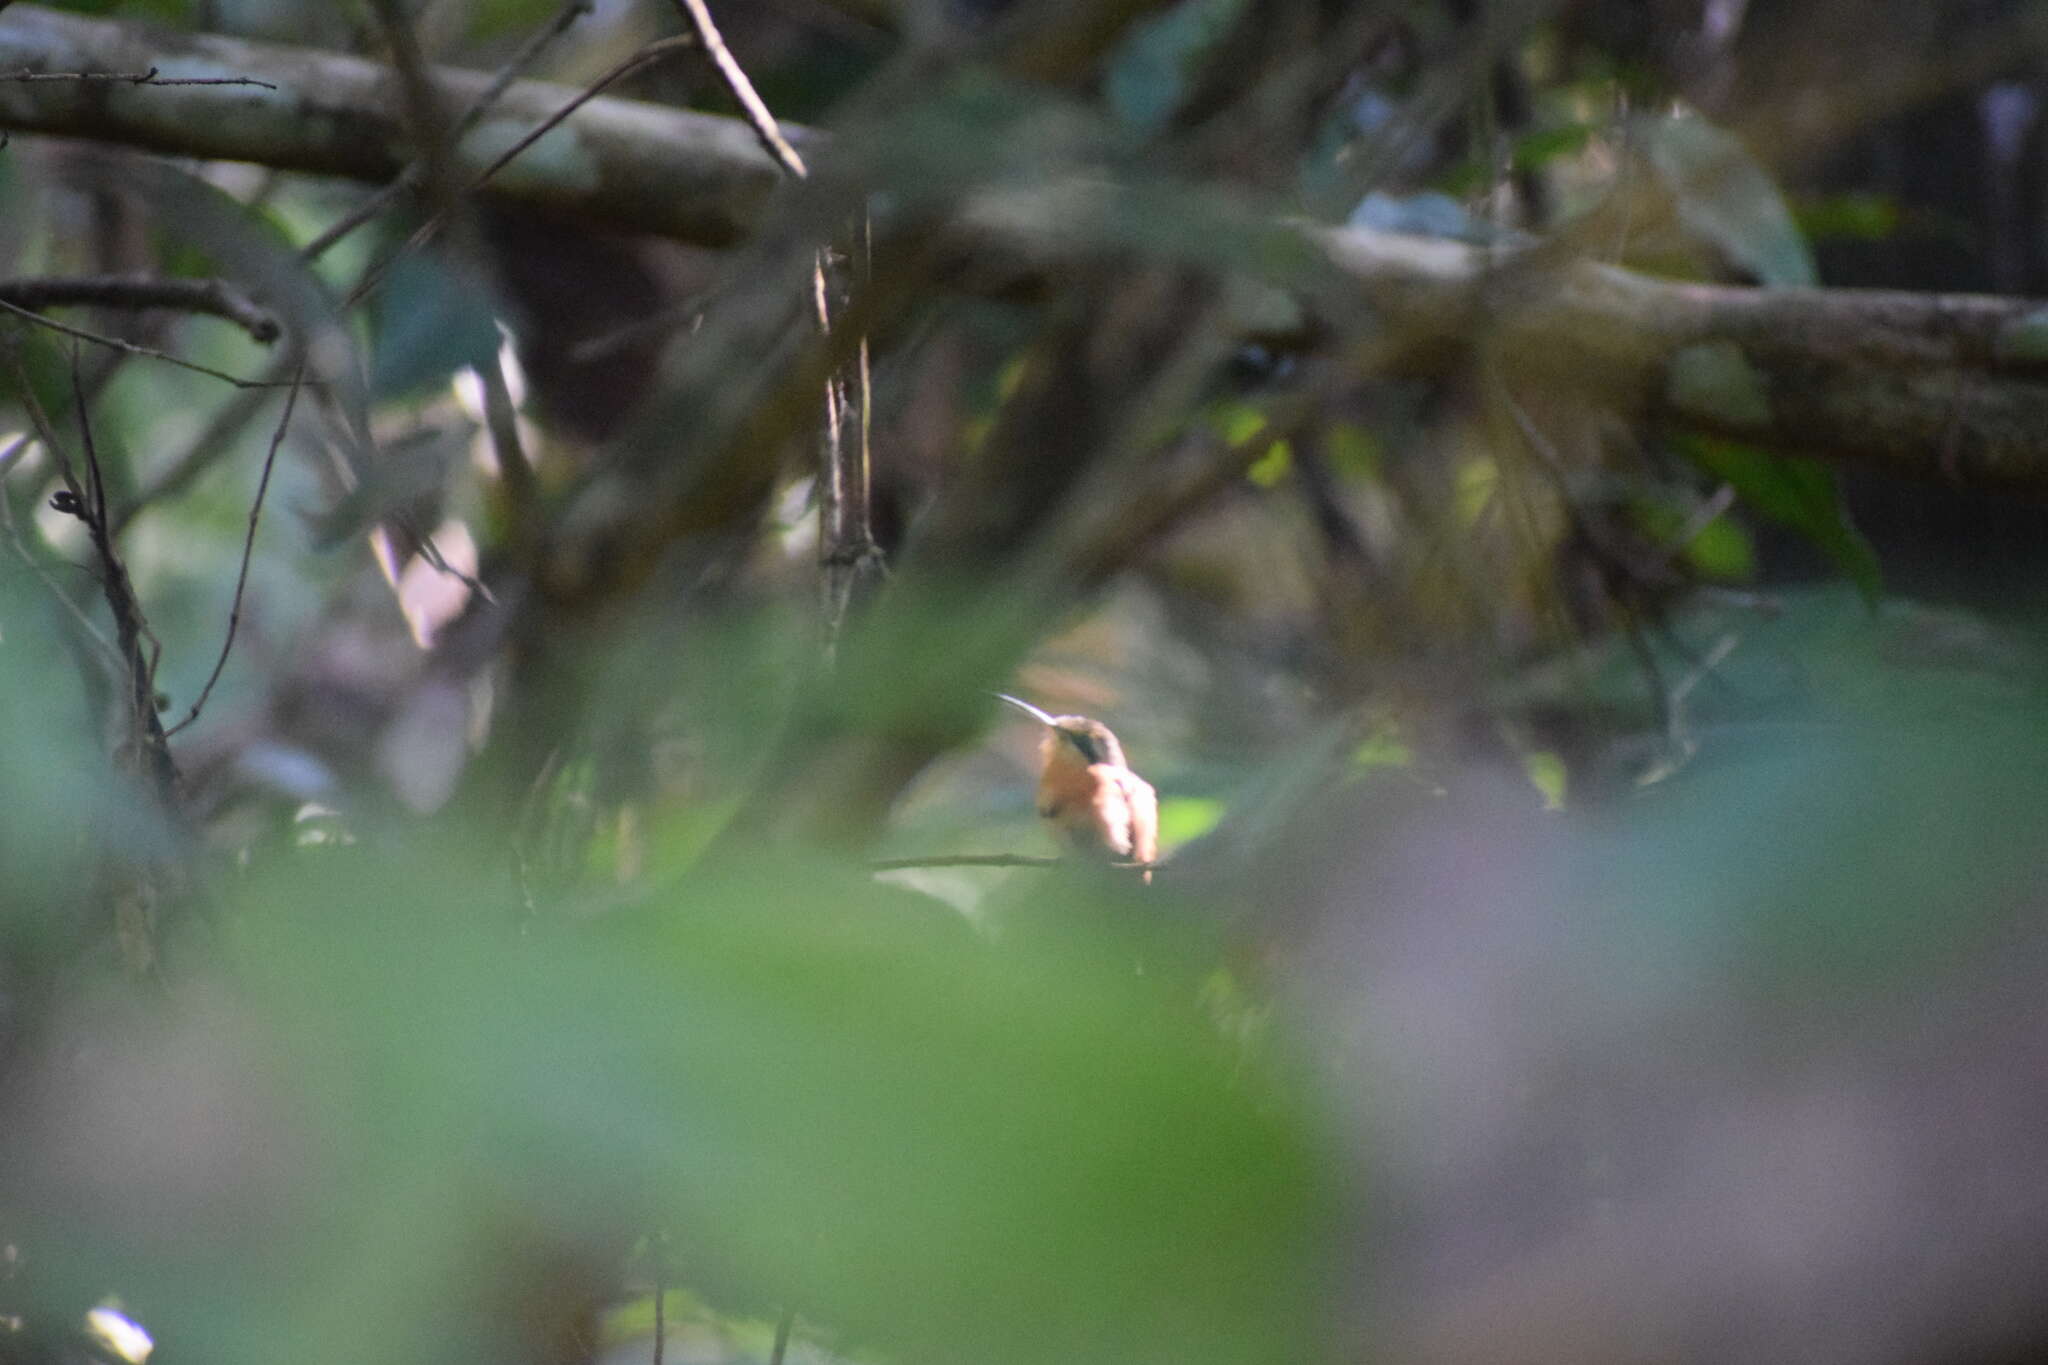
[
  {"x": 430, "y": 554},
  {"x": 149, "y": 77},
  {"x": 212, "y": 444},
  {"x": 633, "y": 65},
  {"x": 963, "y": 860},
  {"x": 688, "y": 313},
  {"x": 515, "y": 470},
  {"x": 847, "y": 554},
  {"x": 697, "y": 15},
  {"x": 87, "y": 501},
  {"x": 660, "y": 1293},
  {"x": 520, "y": 61},
  {"x": 108, "y": 657},
  {"x": 374, "y": 204},
  {"x": 639, "y": 61},
  {"x": 992, "y": 860},
  {"x": 409, "y": 178},
  {"x": 1616, "y": 569},
  {"x": 291, "y": 400},
  {"x": 217, "y": 298},
  {"x": 130, "y": 348},
  {"x": 782, "y": 1330},
  {"x": 110, "y": 563}
]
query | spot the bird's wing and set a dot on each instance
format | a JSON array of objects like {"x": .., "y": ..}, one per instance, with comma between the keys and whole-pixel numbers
[
  {"x": 1112, "y": 811},
  {"x": 1144, "y": 807}
]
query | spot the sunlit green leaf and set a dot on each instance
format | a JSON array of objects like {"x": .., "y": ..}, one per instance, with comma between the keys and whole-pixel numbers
[
  {"x": 1538, "y": 149},
  {"x": 1273, "y": 466},
  {"x": 1799, "y": 493},
  {"x": 1548, "y": 775},
  {"x": 1182, "y": 818},
  {"x": 1719, "y": 549}
]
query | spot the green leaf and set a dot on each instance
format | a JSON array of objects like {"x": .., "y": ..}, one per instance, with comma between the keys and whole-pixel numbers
[
  {"x": 492, "y": 18},
  {"x": 1235, "y": 421},
  {"x": 1848, "y": 217},
  {"x": 1794, "y": 492},
  {"x": 1353, "y": 450},
  {"x": 1726, "y": 199},
  {"x": 1538, "y": 149},
  {"x": 832, "y": 1092},
  {"x": 1384, "y": 747},
  {"x": 1148, "y": 75},
  {"x": 1273, "y": 466},
  {"x": 1548, "y": 775},
  {"x": 427, "y": 323},
  {"x": 1720, "y": 549},
  {"x": 1183, "y": 818}
]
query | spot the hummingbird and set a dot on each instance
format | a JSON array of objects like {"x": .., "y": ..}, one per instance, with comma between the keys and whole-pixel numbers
[{"x": 1096, "y": 804}]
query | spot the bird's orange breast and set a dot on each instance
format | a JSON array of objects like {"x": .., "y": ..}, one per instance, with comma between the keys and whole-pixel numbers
[{"x": 1102, "y": 810}]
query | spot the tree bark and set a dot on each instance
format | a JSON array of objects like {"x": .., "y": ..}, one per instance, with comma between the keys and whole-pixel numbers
[
  {"x": 627, "y": 164},
  {"x": 1951, "y": 387}
]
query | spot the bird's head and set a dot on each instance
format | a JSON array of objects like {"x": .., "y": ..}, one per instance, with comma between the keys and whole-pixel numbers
[{"x": 1071, "y": 739}]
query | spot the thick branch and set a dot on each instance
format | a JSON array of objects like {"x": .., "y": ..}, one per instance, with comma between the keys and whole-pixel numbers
[
  {"x": 631, "y": 165},
  {"x": 1927, "y": 385},
  {"x": 1950, "y": 387}
]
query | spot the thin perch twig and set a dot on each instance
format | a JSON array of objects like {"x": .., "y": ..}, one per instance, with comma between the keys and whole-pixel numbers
[
  {"x": 698, "y": 15},
  {"x": 991, "y": 860},
  {"x": 149, "y": 77},
  {"x": 291, "y": 400}
]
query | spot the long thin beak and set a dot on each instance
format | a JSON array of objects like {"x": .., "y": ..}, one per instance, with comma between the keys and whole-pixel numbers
[{"x": 1026, "y": 707}]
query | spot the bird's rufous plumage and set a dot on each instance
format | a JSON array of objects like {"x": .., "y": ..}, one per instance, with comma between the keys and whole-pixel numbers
[{"x": 1095, "y": 803}]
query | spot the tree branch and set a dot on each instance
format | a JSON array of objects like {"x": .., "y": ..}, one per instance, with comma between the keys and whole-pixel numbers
[
  {"x": 215, "y": 297},
  {"x": 693, "y": 176},
  {"x": 1952, "y": 387}
]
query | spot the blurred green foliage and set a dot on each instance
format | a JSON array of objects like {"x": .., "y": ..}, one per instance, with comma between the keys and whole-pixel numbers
[
  {"x": 1798, "y": 493},
  {"x": 622, "y": 1011},
  {"x": 830, "y": 1094}
]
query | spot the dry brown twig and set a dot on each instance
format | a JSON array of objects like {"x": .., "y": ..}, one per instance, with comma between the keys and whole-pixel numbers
[
  {"x": 216, "y": 298},
  {"x": 86, "y": 499},
  {"x": 409, "y": 179},
  {"x": 105, "y": 653},
  {"x": 220, "y": 662},
  {"x": 130, "y": 348},
  {"x": 847, "y": 553},
  {"x": 697, "y": 15},
  {"x": 427, "y": 231},
  {"x": 149, "y": 77},
  {"x": 991, "y": 860}
]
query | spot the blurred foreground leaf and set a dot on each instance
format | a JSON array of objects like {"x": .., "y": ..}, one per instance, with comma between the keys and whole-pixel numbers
[{"x": 831, "y": 1095}]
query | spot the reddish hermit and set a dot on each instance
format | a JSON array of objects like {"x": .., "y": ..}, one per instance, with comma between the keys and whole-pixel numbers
[{"x": 1096, "y": 804}]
